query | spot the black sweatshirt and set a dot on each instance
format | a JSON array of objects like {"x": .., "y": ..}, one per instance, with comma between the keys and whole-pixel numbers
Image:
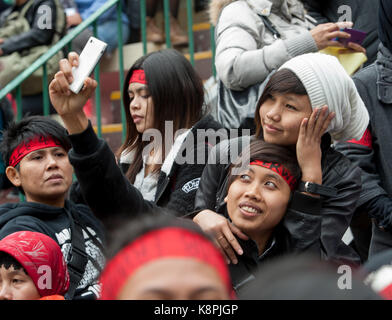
[{"x": 55, "y": 223}]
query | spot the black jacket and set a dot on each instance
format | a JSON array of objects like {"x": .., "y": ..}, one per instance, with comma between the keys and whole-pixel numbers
[
  {"x": 109, "y": 193},
  {"x": 298, "y": 232},
  {"x": 36, "y": 35},
  {"x": 375, "y": 160},
  {"x": 364, "y": 15},
  {"x": 335, "y": 213},
  {"x": 55, "y": 223}
]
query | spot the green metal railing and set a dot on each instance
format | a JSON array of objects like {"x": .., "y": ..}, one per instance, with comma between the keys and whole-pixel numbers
[
  {"x": 15, "y": 84},
  {"x": 66, "y": 41}
]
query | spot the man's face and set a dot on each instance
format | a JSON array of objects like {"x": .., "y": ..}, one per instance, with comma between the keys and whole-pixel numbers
[
  {"x": 17, "y": 285},
  {"x": 174, "y": 279},
  {"x": 45, "y": 176}
]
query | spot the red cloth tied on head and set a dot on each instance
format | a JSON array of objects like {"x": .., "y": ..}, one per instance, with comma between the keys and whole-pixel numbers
[
  {"x": 42, "y": 259},
  {"x": 170, "y": 242},
  {"x": 279, "y": 169},
  {"x": 138, "y": 76},
  {"x": 36, "y": 143}
]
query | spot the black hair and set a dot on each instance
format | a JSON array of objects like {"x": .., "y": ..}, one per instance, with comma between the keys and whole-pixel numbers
[
  {"x": 282, "y": 81},
  {"x": 157, "y": 218},
  {"x": 177, "y": 93},
  {"x": 7, "y": 261},
  {"x": 28, "y": 128},
  {"x": 258, "y": 149}
]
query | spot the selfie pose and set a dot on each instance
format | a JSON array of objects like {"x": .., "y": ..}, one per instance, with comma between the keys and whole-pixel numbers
[{"x": 161, "y": 91}]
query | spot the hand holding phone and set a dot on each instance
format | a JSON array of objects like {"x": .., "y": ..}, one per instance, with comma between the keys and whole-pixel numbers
[
  {"x": 88, "y": 59},
  {"x": 357, "y": 37}
]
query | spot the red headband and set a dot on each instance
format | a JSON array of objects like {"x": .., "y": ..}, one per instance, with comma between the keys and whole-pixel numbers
[
  {"x": 279, "y": 169},
  {"x": 138, "y": 76},
  {"x": 37, "y": 143},
  {"x": 162, "y": 243}
]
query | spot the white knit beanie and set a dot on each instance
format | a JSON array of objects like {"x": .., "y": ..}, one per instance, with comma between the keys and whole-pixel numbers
[{"x": 327, "y": 83}]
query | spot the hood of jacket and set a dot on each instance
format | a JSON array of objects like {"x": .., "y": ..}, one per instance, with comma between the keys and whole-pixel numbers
[
  {"x": 40, "y": 211},
  {"x": 287, "y": 8}
]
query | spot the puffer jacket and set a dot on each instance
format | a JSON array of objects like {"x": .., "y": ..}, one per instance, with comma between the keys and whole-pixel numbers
[
  {"x": 246, "y": 50},
  {"x": 336, "y": 212}
]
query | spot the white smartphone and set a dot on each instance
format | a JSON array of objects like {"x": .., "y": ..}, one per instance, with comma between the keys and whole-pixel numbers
[{"x": 88, "y": 59}]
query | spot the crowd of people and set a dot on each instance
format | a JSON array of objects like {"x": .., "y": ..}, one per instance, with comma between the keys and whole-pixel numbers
[{"x": 190, "y": 207}]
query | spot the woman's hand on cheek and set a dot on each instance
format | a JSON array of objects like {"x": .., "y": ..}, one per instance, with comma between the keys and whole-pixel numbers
[
  {"x": 309, "y": 144},
  {"x": 222, "y": 231}
]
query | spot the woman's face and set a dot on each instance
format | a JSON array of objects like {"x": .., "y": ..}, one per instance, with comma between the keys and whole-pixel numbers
[
  {"x": 141, "y": 106},
  {"x": 281, "y": 116},
  {"x": 257, "y": 200}
]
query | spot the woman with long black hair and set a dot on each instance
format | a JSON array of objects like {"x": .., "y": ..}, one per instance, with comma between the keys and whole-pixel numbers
[{"x": 163, "y": 102}]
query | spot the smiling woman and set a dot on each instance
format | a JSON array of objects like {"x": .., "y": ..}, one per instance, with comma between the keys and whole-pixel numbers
[{"x": 257, "y": 201}]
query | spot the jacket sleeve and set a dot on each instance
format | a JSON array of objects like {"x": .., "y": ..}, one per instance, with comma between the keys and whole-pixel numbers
[
  {"x": 105, "y": 189},
  {"x": 242, "y": 56},
  {"x": 373, "y": 199},
  {"x": 207, "y": 196},
  {"x": 37, "y": 35},
  {"x": 337, "y": 213},
  {"x": 303, "y": 222}
]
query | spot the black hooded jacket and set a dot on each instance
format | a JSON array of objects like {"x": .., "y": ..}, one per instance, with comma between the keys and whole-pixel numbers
[{"x": 55, "y": 223}]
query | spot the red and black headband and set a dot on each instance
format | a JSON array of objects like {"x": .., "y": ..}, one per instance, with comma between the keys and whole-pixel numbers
[
  {"x": 279, "y": 169},
  {"x": 170, "y": 242},
  {"x": 36, "y": 143},
  {"x": 138, "y": 76}
]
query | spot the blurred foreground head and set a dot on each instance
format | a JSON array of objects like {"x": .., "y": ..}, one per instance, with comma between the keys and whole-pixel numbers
[
  {"x": 160, "y": 257},
  {"x": 305, "y": 277}
]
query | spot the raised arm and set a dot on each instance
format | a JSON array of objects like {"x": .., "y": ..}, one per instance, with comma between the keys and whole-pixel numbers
[{"x": 106, "y": 190}]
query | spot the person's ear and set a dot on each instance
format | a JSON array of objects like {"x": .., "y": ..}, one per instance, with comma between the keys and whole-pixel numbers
[
  {"x": 13, "y": 176},
  {"x": 225, "y": 199}
]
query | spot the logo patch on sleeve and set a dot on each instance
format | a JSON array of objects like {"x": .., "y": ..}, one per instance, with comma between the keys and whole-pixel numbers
[{"x": 191, "y": 185}]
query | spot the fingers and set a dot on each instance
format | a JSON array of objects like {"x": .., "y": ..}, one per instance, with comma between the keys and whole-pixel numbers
[
  {"x": 89, "y": 87},
  {"x": 66, "y": 69},
  {"x": 217, "y": 244},
  {"x": 61, "y": 84},
  {"x": 344, "y": 24},
  {"x": 232, "y": 240},
  {"x": 356, "y": 47},
  {"x": 338, "y": 34},
  {"x": 323, "y": 122},
  {"x": 227, "y": 248},
  {"x": 238, "y": 232},
  {"x": 326, "y": 123},
  {"x": 73, "y": 59}
]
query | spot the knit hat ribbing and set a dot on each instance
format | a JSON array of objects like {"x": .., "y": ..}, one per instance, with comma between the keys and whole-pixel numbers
[{"x": 327, "y": 83}]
